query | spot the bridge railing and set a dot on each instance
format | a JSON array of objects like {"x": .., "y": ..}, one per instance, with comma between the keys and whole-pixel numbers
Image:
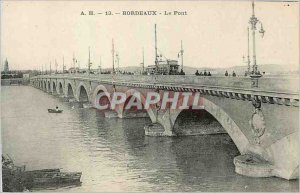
[{"x": 276, "y": 83}]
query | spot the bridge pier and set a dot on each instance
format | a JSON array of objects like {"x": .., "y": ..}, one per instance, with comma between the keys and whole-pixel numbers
[
  {"x": 63, "y": 98},
  {"x": 137, "y": 114},
  {"x": 252, "y": 166},
  {"x": 111, "y": 114},
  {"x": 67, "y": 99},
  {"x": 162, "y": 123},
  {"x": 120, "y": 113},
  {"x": 55, "y": 94},
  {"x": 80, "y": 104},
  {"x": 281, "y": 159}
]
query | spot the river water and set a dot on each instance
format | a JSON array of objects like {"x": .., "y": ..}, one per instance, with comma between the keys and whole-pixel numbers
[{"x": 114, "y": 154}]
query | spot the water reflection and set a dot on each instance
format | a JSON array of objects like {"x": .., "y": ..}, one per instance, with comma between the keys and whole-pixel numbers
[{"x": 114, "y": 154}]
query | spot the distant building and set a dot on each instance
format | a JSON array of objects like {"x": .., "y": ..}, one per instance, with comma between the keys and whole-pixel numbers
[
  {"x": 164, "y": 67},
  {"x": 6, "y": 68},
  {"x": 26, "y": 76},
  {"x": 73, "y": 70}
]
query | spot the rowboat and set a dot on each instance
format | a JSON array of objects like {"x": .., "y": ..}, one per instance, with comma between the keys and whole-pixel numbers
[
  {"x": 56, "y": 178},
  {"x": 43, "y": 170},
  {"x": 52, "y": 177},
  {"x": 16, "y": 178},
  {"x": 54, "y": 111}
]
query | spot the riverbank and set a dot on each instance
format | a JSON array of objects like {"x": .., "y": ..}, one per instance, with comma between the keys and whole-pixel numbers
[{"x": 14, "y": 81}]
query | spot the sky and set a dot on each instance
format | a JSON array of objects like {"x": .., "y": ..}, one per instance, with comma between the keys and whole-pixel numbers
[{"x": 214, "y": 33}]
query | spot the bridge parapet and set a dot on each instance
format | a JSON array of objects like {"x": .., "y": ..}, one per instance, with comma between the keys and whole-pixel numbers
[
  {"x": 278, "y": 90},
  {"x": 280, "y": 84}
]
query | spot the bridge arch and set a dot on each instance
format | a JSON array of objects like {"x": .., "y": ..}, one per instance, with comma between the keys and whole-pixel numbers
[
  {"x": 44, "y": 85},
  {"x": 134, "y": 93},
  {"x": 70, "y": 90},
  {"x": 83, "y": 93},
  {"x": 225, "y": 120},
  {"x": 54, "y": 91},
  {"x": 48, "y": 86},
  {"x": 60, "y": 88},
  {"x": 196, "y": 122},
  {"x": 97, "y": 90}
]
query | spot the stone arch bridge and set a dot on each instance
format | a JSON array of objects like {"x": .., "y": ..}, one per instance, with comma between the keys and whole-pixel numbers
[{"x": 263, "y": 121}]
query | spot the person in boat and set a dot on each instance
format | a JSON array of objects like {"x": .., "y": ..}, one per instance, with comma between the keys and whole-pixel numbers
[{"x": 56, "y": 108}]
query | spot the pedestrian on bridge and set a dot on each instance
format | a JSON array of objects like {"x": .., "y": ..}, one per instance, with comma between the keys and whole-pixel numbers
[
  {"x": 233, "y": 74},
  {"x": 226, "y": 73}
]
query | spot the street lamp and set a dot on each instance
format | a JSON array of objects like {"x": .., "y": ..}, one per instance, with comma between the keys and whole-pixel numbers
[
  {"x": 55, "y": 66},
  {"x": 113, "y": 57},
  {"x": 253, "y": 21},
  {"x": 63, "y": 59},
  {"x": 89, "y": 62},
  {"x": 99, "y": 67}
]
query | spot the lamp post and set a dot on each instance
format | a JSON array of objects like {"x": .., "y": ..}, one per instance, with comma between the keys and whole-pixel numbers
[
  {"x": 78, "y": 62},
  {"x": 100, "y": 66},
  {"x": 255, "y": 74},
  {"x": 89, "y": 62},
  {"x": 248, "y": 56},
  {"x": 63, "y": 59},
  {"x": 50, "y": 67},
  {"x": 156, "y": 61},
  {"x": 118, "y": 62},
  {"x": 143, "y": 63},
  {"x": 181, "y": 54},
  {"x": 113, "y": 57},
  {"x": 74, "y": 60},
  {"x": 55, "y": 66}
]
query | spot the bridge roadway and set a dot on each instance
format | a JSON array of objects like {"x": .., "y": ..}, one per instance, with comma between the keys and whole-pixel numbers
[{"x": 263, "y": 122}]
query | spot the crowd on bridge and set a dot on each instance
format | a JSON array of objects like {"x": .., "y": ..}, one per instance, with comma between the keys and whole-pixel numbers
[
  {"x": 203, "y": 74},
  {"x": 233, "y": 73}
]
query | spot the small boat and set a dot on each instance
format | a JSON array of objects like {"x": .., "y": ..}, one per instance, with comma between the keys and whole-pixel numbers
[
  {"x": 16, "y": 176},
  {"x": 52, "y": 177},
  {"x": 54, "y": 111},
  {"x": 55, "y": 178},
  {"x": 43, "y": 170}
]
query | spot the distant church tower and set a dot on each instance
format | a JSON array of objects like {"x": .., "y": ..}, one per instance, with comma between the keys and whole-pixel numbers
[{"x": 6, "y": 68}]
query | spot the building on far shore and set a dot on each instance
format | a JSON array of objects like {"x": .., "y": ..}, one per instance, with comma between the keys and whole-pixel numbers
[
  {"x": 26, "y": 76},
  {"x": 6, "y": 68}
]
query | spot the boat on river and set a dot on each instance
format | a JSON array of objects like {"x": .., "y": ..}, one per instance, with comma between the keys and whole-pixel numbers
[
  {"x": 17, "y": 179},
  {"x": 54, "y": 111},
  {"x": 52, "y": 177}
]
